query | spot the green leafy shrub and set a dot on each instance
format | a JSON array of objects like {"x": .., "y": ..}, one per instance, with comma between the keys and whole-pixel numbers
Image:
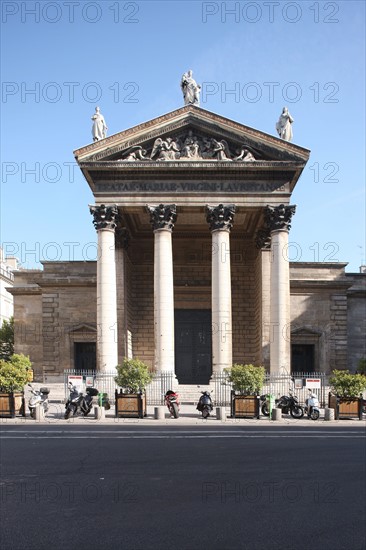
[
  {"x": 345, "y": 384},
  {"x": 7, "y": 339},
  {"x": 246, "y": 379},
  {"x": 133, "y": 376},
  {"x": 14, "y": 374}
]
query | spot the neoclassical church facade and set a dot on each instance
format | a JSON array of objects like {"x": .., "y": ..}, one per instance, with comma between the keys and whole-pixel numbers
[{"x": 192, "y": 214}]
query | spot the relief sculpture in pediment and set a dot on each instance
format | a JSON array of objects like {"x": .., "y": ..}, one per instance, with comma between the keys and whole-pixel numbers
[{"x": 188, "y": 147}]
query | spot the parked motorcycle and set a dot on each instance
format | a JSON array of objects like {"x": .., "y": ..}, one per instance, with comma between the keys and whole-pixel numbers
[
  {"x": 172, "y": 402},
  {"x": 312, "y": 406},
  {"x": 288, "y": 403},
  {"x": 77, "y": 400},
  {"x": 39, "y": 398},
  {"x": 204, "y": 404}
]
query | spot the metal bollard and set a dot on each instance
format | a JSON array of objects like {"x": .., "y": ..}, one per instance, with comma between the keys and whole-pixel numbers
[
  {"x": 99, "y": 413},
  {"x": 328, "y": 414},
  {"x": 276, "y": 414},
  {"x": 39, "y": 414},
  {"x": 221, "y": 413},
  {"x": 159, "y": 413}
]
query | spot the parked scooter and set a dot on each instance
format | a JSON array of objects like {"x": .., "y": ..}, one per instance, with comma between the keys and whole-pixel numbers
[
  {"x": 38, "y": 399},
  {"x": 172, "y": 402},
  {"x": 77, "y": 400},
  {"x": 204, "y": 404},
  {"x": 312, "y": 406}
]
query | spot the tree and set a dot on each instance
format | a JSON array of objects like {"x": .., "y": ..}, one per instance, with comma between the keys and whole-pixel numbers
[{"x": 7, "y": 339}]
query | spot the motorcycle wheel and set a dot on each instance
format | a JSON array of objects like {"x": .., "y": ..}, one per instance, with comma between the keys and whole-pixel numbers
[
  {"x": 265, "y": 410},
  {"x": 297, "y": 411},
  {"x": 314, "y": 415},
  {"x": 205, "y": 412},
  {"x": 85, "y": 413},
  {"x": 32, "y": 413},
  {"x": 68, "y": 412},
  {"x": 175, "y": 410}
]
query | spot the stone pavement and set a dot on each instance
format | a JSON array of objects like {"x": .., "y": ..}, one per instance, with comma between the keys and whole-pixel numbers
[{"x": 189, "y": 416}]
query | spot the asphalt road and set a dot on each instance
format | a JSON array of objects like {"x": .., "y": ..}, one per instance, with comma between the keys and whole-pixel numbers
[{"x": 221, "y": 487}]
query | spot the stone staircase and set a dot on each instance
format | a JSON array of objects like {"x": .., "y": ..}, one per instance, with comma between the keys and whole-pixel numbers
[{"x": 190, "y": 393}]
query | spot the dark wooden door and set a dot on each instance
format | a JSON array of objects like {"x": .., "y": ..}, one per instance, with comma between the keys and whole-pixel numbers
[
  {"x": 193, "y": 361},
  {"x": 85, "y": 355},
  {"x": 302, "y": 357}
]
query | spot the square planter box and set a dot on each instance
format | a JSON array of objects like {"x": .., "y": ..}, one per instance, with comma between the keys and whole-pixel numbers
[
  {"x": 130, "y": 405},
  {"x": 12, "y": 404},
  {"x": 345, "y": 408},
  {"x": 244, "y": 406}
]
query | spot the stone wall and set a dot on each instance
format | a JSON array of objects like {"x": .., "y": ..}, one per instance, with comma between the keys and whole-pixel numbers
[{"x": 356, "y": 319}]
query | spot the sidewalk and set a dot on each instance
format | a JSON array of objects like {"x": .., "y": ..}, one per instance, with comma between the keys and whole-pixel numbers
[{"x": 188, "y": 416}]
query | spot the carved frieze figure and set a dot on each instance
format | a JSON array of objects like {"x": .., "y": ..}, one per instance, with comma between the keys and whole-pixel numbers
[
  {"x": 245, "y": 155},
  {"x": 165, "y": 149},
  {"x": 191, "y": 90},
  {"x": 284, "y": 125},
  {"x": 135, "y": 153},
  {"x": 220, "y": 150},
  {"x": 191, "y": 147},
  {"x": 99, "y": 129}
]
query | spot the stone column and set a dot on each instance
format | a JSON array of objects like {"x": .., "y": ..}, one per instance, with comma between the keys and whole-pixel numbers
[
  {"x": 162, "y": 218},
  {"x": 107, "y": 345},
  {"x": 220, "y": 219},
  {"x": 278, "y": 222}
]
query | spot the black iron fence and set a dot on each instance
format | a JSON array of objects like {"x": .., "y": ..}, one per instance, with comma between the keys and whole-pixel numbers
[
  {"x": 105, "y": 383},
  {"x": 277, "y": 384}
]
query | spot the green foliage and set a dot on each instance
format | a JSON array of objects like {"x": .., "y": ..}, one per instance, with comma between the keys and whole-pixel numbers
[
  {"x": 14, "y": 374},
  {"x": 133, "y": 376},
  {"x": 7, "y": 339},
  {"x": 361, "y": 367},
  {"x": 246, "y": 379},
  {"x": 345, "y": 384}
]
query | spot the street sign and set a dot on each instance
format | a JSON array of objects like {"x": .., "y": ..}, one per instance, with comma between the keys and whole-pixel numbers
[
  {"x": 89, "y": 381},
  {"x": 76, "y": 381},
  {"x": 299, "y": 384},
  {"x": 313, "y": 383}
]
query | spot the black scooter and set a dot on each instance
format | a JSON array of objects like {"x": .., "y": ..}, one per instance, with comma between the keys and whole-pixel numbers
[
  {"x": 204, "y": 404},
  {"x": 77, "y": 400}
]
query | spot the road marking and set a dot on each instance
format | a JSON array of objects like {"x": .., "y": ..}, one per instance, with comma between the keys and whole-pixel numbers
[{"x": 191, "y": 436}]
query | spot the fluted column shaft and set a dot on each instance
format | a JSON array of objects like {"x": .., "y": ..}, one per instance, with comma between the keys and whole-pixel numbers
[
  {"x": 162, "y": 219},
  {"x": 107, "y": 342},
  {"x": 278, "y": 221},
  {"x": 220, "y": 219}
]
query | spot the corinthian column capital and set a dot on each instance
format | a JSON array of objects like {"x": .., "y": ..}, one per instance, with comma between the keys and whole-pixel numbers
[
  {"x": 104, "y": 217},
  {"x": 220, "y": 217},
  {"x": 279, "y": 217},
  {"x": 163, "y": 216}
]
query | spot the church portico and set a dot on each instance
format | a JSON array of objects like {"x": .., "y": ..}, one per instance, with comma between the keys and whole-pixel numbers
[{"x": 192, "y": 190}]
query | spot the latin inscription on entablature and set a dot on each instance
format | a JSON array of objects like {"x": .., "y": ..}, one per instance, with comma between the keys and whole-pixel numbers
[{"x": 191, "y": 187}]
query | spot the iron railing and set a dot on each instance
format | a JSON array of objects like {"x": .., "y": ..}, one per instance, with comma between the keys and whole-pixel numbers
[
  {"x": 104, "y": 382},
  {"x": 275, "y": 384}
]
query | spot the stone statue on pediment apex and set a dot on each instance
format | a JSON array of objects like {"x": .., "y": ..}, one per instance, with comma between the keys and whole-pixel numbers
[
  {"x": 99, "y": 128},
  {"x": 284, "y": 125},
  {"x": 191, "y": 90}
]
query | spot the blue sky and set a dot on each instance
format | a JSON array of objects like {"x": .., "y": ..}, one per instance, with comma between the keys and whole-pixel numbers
[{"x": 61, "y": 59}]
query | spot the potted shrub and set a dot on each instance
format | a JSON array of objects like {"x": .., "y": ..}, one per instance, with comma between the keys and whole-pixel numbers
[
  {"x": 247, "y": 382},
  {"x": 346, "y": 396},
  {"x": 132, "y": 378},
  {"x": 14, "y": 375}
]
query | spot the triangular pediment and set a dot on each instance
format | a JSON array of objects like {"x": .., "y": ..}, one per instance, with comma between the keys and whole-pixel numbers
[{"x": 191, "y": 134}]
